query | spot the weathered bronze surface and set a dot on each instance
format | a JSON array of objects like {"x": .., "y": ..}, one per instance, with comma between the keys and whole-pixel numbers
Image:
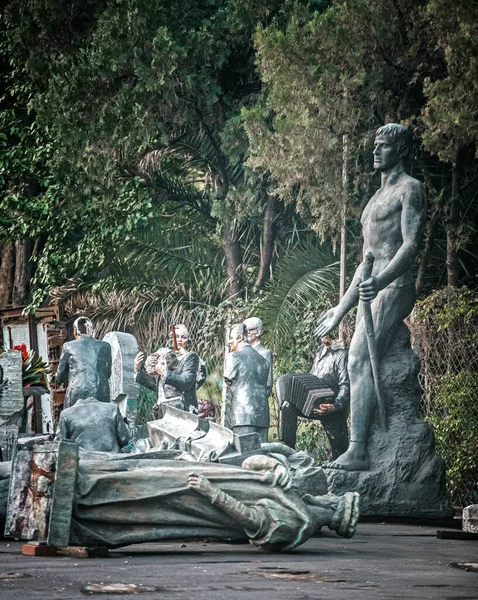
[{"x": 390, "y": 459}]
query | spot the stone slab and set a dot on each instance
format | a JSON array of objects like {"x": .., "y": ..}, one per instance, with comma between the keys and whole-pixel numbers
[
  {"x": 12, "y": 402},
  {"x": 63, "y": 494},
  {"x": 124, "y": 391}
]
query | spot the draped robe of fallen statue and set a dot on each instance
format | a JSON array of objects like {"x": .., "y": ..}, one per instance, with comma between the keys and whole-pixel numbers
[{"x": 125, "y": 501}]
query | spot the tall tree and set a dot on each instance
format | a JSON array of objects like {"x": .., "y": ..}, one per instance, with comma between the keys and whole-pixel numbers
[
  {"x": 450, "y": 114},
  {"x": 115, "y": 80}
]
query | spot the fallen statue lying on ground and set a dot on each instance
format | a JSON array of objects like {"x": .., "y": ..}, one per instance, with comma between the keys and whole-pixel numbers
[
  {"x": 119, "y": 501},
  {"x": 125, "y": 501}
]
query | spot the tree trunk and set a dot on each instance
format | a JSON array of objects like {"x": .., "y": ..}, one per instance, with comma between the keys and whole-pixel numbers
[
  {"x": 430, "y": 231},
  {"x": 343, "y": 226},
  {"x": 427, "y": 251},
  {"x": 7, "y": 260},
  {"x": 451, "y": 227},
  {"x": 233, "y": 255},
  {"x": 15, "y": 273},
  {"x": 22, "y": 273},
  {"x": 267, "y": 242}
]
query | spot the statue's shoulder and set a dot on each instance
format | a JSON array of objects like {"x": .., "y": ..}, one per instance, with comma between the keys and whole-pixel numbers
[{"x": 411, "y": 184}]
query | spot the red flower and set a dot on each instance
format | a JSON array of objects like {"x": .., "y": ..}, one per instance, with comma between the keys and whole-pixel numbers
[{"x": 23, "y": 350}]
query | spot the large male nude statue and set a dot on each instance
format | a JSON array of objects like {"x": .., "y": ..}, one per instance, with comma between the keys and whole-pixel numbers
[{"x": 392, "y": 227}]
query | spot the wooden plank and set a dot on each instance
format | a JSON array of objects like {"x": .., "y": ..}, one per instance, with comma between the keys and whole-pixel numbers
[{"x": 63, "y": 494}]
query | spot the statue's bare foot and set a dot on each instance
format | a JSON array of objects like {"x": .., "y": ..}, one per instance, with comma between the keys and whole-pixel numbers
[{"x": 355, "y": 459}]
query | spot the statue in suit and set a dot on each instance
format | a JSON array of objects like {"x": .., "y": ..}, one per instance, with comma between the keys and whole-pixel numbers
[
  {"x": 246, "y": 373},
  {"x": 173, "y": 375},
  {"x": 86, "y": 364},
  {"x": 254, "y": 328},
  {"x": 96, "y": 426}
]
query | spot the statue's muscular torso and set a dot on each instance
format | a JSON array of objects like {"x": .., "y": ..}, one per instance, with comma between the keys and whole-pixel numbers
[{"x": 382, "y": 224}]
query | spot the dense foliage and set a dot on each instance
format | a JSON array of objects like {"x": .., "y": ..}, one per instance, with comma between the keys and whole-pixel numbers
[
  {"x": 455, "y": 422},
  {"x": 118, "y": 115}
]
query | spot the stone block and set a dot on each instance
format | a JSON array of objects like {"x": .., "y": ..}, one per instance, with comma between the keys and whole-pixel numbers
[
  {"x": 470, "y": 518},
  {"x": 406, "y": 477},
  {"x": 63, "y": 494},
  {"x": 33, "y": 549},
  {"x": 31, "y": 488}
]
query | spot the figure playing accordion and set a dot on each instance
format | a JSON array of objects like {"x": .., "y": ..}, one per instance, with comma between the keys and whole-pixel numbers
[{"x": 323, "y": 394}]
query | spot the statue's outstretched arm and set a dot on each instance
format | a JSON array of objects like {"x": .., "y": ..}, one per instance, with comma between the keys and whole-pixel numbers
[{"x": 249, "y": 517}]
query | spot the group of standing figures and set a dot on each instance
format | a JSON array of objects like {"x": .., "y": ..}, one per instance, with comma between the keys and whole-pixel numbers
[
  {"x": 176, "y": 375},
  {"x": 382, "y": 287}
]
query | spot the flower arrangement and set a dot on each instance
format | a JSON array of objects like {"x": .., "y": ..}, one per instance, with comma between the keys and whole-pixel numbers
[{"x": 34, "y": 369}]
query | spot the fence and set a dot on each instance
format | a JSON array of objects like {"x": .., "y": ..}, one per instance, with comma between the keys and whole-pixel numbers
[{"x": 445, "y": 333}]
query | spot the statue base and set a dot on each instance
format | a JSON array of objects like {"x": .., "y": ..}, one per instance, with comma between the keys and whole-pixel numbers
[{"x": 406, "y": 477}]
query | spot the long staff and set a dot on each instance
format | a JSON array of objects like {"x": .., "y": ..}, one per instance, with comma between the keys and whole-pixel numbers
[
  {"x": 174, "y": 338},
  {"x": 372, "y": 343}
]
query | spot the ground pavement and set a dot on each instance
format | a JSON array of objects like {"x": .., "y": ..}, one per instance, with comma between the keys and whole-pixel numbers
[{"x": 381, "y": 561}]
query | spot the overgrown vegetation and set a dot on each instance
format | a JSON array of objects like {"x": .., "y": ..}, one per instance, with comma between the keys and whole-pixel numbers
[
  {"x": 454, "y": 417},
  {"x": 445, "y": 328}
]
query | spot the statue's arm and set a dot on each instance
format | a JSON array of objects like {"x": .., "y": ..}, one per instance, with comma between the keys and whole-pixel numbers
[
  {"x": 186, "y": 380},
  {"x": 148, "y": 381},
  {"x": 278, "y": 473},
  {"x": 62, "y": 371},
  {"x": 270, "y": 376},
  {"x": 230, "y": 368},
  {"x": 201, "y": 374},
  {"x": 248, "y": 517},
  {"x": 332, "y": 317}
]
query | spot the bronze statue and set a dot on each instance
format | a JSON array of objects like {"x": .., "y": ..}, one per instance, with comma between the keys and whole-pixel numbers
[
  {"x": 392, "y": 226},
  {"x": 174, "y": 499},
  {"x": 94, "y": 425},
  {"x": 180, "y": 378},
  {"x": 86, "y": 364},
  {"x": 254, "y": 328},
  {"x": 330, "y": 366},
  {"x": 246, "y": 374}
]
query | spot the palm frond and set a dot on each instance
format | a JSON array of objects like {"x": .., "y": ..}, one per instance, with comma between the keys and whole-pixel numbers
[{"x": 306, "y": 274}]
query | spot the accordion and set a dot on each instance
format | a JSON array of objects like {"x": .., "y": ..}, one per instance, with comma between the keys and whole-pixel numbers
[{"x": 306, "y": 392}]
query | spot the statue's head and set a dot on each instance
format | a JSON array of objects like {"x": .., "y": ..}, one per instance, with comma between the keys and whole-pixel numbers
[
  {"x": 393, "y": 143},
  {"x": 254, "y": 328},
  {"x": 206, "y": 409},
  {"x": 237, "y": 337},
  {"x": 83, "y": 326},
  {"x": 165, "y": 355},
  {"x": 182, "y": 336}
]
